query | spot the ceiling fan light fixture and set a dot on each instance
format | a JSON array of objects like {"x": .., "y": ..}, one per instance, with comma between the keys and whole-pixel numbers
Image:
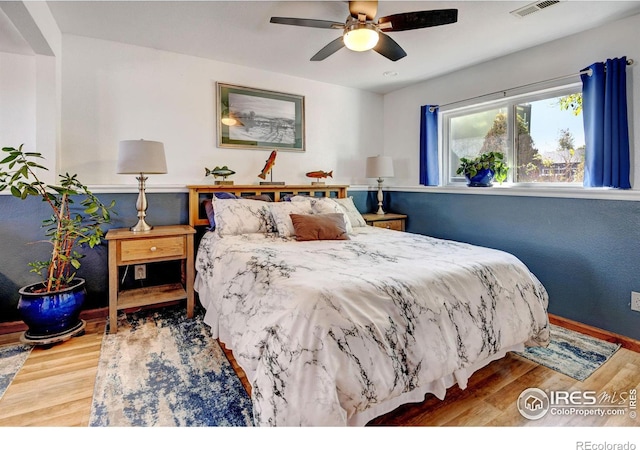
[{"x": 361, "y": 37}]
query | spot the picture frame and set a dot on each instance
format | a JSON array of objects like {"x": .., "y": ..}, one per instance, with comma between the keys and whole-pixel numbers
[{"x": 250, "y": 118}]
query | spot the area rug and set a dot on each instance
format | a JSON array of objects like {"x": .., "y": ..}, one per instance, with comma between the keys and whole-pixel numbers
[
  {"x": 571, "y": 353},
  {"x": 162, "y": 369},
  {"x": 12, "y": 357}
]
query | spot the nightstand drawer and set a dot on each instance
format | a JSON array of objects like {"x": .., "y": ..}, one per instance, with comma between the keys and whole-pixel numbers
[
  {"x": 153, "y": 248},
  {"x": 389, "y": 224}
]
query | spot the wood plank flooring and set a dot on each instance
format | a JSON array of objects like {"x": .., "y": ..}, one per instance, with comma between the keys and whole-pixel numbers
[{"x": 55, "y": 387}]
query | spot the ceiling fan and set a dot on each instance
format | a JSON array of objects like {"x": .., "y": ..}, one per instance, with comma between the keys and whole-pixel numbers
[{"x": 361, "y": 32}]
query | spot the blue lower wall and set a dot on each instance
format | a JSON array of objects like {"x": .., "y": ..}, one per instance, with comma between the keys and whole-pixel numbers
[
  {"x": 21, "y": 241},
  {"x": 585, "y": 252}
]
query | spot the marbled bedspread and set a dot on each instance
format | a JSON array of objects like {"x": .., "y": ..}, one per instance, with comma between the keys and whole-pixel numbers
[{"x": 329, "y": 330}]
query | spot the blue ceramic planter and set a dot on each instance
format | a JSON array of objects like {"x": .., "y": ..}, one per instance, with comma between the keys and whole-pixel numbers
[
  {"x": 484, "y": 178},
  {"x": 51, "y": 313}
]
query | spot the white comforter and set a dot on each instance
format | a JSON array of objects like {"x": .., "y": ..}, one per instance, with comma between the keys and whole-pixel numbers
[{"x": 337, "y": 332}]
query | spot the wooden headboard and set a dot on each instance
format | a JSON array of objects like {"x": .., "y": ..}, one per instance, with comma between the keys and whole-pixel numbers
[{"x": 198, "y": 193}]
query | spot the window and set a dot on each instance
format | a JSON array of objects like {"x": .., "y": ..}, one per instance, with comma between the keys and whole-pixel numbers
[{"x": 541, "y": 135}]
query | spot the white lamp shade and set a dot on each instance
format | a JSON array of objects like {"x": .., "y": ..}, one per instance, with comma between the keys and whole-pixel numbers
[
  {"x": 140, "y": 156},
  {"x": 379, "y": 167}
]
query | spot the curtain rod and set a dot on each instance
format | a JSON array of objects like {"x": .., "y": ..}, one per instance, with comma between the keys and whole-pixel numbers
[{"x": 504, "y": 91}]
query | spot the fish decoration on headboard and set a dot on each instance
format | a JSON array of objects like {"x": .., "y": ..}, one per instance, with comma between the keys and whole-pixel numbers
[
  {"x": 268, "y": 165},
  {"x": 268, "y": 169},
  {"x": 317, "y": 174},
  {"x": 223, "y": 172}
]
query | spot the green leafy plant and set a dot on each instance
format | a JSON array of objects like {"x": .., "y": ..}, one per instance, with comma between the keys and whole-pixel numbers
[
  {"x": 493, "y": 161},
  {"x": 66, "y": 228}
]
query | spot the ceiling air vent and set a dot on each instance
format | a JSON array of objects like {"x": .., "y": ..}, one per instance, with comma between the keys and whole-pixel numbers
[{"x": 533, "y": 7}]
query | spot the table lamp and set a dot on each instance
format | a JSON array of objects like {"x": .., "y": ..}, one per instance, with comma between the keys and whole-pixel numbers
[
  {"x": 141, "y": 157},
  {"x": 379, "y": 167}
]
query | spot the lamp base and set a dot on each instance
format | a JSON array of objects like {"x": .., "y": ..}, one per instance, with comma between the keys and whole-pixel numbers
[
  {"x": 141, "y": 226},
  {"x": 380, "y": 197},
  {"x": 141, "y": 206}
]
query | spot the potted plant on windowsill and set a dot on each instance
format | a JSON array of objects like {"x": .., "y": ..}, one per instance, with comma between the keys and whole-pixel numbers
[
  {"x": 51, "y": 308},
  {"x": 482, "y": 170}
]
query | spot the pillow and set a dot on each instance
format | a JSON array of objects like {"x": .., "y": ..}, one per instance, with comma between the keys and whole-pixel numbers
[
  {"x": 319, "y": 227},
  {"x": 351, "y": 211},
  {"x": 326, "y": 205},
  {"x": 261, "y": 197},
  {"x": 241, "y": 216},
  {"x": 208, "y": 207},
  {"x": 300, "y": 198},
  {"x": 294, "y": 198},
  {"x": 281, "y": 211},
  {"x": 223, "y": 195}
]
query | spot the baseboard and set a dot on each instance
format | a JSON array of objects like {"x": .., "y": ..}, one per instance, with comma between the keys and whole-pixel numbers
[
  {"x": 89, "y": 314},
  {"x": 19, "y": 326},
  {"x": 599, "y": 333}
]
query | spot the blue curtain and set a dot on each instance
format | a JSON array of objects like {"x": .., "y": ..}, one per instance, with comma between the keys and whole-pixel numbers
[
  {"x": 604, "y": 109},
  {"x": 429, "y": 171}
]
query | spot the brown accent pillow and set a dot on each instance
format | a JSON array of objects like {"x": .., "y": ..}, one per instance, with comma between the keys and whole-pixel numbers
[{"x": 319, "y": 227}]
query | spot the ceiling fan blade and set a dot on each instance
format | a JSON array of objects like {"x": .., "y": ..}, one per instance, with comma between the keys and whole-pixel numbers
[
  {"x": 369, "y": 8},
  {"x": 313, "y": 23},
  {"x": 418, "y": 19},
  {"x": 389, "y": 48},
  {"x": 329, "y": 49}
]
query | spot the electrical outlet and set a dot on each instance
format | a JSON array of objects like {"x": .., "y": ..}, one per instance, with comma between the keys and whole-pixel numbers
[
  {"x": 635, "y": 301},
  {"x": 140, "y": 272}
]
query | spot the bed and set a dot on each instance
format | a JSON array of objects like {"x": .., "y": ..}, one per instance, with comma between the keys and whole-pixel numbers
[{"x": 335, "y": 332}]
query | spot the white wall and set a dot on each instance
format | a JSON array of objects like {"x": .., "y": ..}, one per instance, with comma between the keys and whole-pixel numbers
[
  {"x": 113, "y": 91},
  {"x": 17, "y": 100},
  {"x": 30, "y": 88},
  {"x": 48, "y": 85},
  {"x": 29, "y": 112},
  {"x": 545, "y": 62}
]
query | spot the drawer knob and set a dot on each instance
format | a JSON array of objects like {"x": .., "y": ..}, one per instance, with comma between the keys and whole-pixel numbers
[
  {"x": 388, "y": 226},
  {"x": 154, "y": 248}
]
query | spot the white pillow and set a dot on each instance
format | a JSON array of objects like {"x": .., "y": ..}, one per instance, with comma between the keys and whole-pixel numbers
[
  {"x": 352, "y": 212},
  {"x": 326, "y": 205},
  {"x": 280, "y": 213},
  {"x": 300, "y": 198},
  {"x": 242, "y": 216}
]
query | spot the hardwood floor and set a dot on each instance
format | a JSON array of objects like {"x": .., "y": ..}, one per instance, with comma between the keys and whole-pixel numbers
[
  {"x": 490, "y": 398},
  {"x": 55, "y": 387}
]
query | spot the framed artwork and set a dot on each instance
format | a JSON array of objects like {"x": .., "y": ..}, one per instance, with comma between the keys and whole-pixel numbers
[{"x": 251, "y": 118}]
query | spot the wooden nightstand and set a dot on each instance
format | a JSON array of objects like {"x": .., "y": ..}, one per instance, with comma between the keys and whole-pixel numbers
[
  {"x": 388, "y": 220},
  {"x": 162, "y": 243}
]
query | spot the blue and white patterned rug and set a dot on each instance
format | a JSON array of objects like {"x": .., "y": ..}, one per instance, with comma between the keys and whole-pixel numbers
[
  {"x": 571, "y": 353},
  {"x": 12, "y": 357},
  {"x": 161, "y": 369}
]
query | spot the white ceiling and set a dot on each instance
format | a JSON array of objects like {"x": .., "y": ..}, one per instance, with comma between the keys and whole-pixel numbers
[
  {"x": 11, "y": 41},
  {"x": 239, "y": 32}
]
